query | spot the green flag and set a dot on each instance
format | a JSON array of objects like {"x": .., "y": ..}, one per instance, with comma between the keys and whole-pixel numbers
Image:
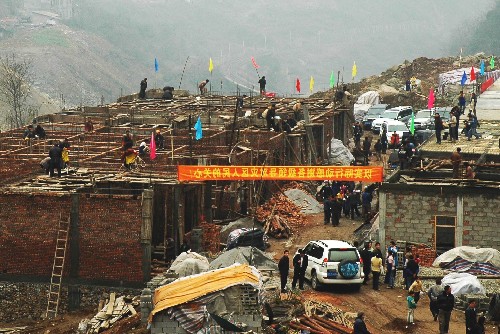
[
  {"x": 412, "y": 124},
  {"x": 492, "y": 63},
  {"x": 332, "y": 80}
]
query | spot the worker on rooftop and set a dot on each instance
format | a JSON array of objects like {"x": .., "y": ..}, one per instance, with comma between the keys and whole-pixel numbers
[
  {"x": 203, "y": 87},
  {"x": 144, "y": 86},
  {"x": 262, "y": 85},
  {"x": 127, "y": 141}
]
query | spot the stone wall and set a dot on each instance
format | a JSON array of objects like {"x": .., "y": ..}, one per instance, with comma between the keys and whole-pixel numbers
[
  {"x": 29, "y": 300},
  {"x": 408, "y": 214},
  {"x": 481, "y": 221}
]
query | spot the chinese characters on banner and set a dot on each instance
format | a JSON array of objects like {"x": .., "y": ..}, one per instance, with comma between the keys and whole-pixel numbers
[{"x": 235, "y": 173}]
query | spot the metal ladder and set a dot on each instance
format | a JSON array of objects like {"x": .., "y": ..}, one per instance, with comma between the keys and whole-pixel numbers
[{"x": 57, "y": 268}]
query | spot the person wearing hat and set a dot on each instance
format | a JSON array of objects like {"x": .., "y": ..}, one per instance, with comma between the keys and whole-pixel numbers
[{"x": 159, "y": 140}]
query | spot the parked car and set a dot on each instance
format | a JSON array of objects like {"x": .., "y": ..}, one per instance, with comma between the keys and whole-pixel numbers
[
  {"x": 396, "y": 126},
  {"x": 333, "y": 262},
  {"x": 373, "y": 113},
  {"x": 424, "y": 119},
  {"x": 402, "y": 114}
]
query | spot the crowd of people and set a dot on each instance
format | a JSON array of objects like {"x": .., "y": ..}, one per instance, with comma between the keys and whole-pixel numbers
[
  {"x": 344, "y": 198},
  {"x": 470, "y": 125},
  {"x": 441, "y": 300}
]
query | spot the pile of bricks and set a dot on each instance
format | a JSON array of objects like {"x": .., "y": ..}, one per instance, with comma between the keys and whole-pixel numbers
[
  {"x": 427, "y": 255},
  {"x": 211, "y": 237},
  {"x": 280, "y": 205}
]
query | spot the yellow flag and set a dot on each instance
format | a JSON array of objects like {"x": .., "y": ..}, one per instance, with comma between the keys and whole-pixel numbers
[
  {"x": 354, "y": 70},
  {"x": 210, "y": 66},
  {"x": 311, "y": 84}
]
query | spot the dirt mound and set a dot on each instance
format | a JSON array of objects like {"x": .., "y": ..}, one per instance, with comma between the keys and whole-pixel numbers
[{"x": 390, "y": 83}]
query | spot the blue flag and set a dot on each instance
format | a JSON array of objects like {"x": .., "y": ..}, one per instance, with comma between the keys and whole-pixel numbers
[
  {"x": 482, "y": 67},
  {"x": 464, "y": 79},
  {"x": 156, "y": 65},
  {"x": 198, "y": 128}
]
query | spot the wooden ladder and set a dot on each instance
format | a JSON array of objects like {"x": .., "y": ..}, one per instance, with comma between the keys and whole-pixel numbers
[{"x": 57, "y": 268}]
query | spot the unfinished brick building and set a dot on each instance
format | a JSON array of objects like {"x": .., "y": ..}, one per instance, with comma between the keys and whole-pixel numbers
[{"x": 120, "y": 221}]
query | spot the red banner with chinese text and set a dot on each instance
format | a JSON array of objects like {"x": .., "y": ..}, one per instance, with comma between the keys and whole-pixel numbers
[{"x": 235, "y": 173}]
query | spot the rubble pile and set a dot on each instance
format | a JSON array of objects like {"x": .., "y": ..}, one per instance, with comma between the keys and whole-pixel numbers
[
  {"x": 277, "y": 227},
  {"x": 114, "y": 310},
  {"x": 391, "y": 83},
  {"x": 280, "y": 216}
]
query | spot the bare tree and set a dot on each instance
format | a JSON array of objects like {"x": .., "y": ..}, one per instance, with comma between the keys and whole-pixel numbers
[{"x": 15, "y": 88}]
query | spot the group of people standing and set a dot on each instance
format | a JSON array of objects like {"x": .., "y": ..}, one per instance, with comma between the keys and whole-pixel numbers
[
  {"x": 300, "y": 262},
  {"x": 345, "y": 197},
  {"x": 58, "y": 158},
  {"x": 471, "y": 124}
]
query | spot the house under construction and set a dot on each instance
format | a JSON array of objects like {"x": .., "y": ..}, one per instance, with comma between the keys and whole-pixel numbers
[{"x": 120, "y": 221}]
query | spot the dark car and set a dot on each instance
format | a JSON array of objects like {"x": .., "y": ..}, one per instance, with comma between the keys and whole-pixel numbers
[{"x": 373, "y": 112}]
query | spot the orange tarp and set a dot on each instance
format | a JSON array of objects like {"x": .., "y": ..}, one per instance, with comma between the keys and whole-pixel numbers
[
  {"x": 190, "y": 288},
  {"x": 310, "y": 173}
]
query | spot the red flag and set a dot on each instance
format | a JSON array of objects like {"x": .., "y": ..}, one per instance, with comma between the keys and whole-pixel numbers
[
  {"x": 472, "y": 74},
  {"x": 297, "y": 85},
  {"x": 432, "y": 98},
  {"x": 152, "y": 147},
  {"x": 254, "y": 63}
]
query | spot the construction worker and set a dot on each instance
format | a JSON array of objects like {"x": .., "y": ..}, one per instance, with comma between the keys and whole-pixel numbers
[
  {"x": 262, "y": 85},
  {"x": 203, "y": 86},
  {"x": 55, "y": 155},
  {"x": 144, "y": 86}
]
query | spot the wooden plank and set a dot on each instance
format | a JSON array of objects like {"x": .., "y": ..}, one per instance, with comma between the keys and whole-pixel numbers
[
  {"x": 132, "y": 309},
  {"x": 111, "y": 304}
]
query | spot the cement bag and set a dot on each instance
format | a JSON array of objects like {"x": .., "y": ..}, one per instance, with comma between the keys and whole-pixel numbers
[
  {"x": 187, "y": 264},
  {"x": 463, "y": 283}
]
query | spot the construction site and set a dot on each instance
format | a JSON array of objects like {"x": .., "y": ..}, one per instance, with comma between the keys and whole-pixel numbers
[{"x": 100, "y": 231}]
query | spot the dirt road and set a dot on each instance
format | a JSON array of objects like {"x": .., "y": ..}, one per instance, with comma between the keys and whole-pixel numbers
[{"x": 385, "y": 309}]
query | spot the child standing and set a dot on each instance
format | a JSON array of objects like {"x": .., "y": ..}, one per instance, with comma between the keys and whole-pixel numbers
[
  {"x": 416, "y": 288},
  {"x": 411, "y": 308},
  {"x": 391, "y": 270}
]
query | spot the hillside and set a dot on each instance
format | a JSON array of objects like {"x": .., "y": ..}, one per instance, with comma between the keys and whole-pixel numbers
[
  {"x": 390, "y": 83},
  {"x": 109, "y": 46}
]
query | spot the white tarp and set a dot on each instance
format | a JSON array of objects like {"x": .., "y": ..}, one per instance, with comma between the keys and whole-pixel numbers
[
  {"x": 339, "y": 154},
  {"x": 372, "y": 97},
  {"x": 471, "y": 254},
  {"x": 455, "y": 76},
  {"x": 190, "y": 263},
  {"x": 463, "y": 283}
]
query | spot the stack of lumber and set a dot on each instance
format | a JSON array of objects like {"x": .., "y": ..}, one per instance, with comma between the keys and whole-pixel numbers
[
  {"x": 114, "y": 310},
  {"x": 318, "y": 325},
  {"x": 277, "y": 227},
  {"x": 289, "y": 216}
]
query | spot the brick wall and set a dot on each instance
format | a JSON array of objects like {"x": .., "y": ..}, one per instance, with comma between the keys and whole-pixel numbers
[
  {"x": 110, "y": 238},
  {"x": 28, "y": 229},
  {"x": 410, "y": 216},
  {"x": 109, "y": 229}
]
